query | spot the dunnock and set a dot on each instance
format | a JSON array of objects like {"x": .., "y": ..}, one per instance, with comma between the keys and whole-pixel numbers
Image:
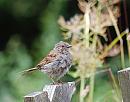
[{"x": 57, "y": 63}]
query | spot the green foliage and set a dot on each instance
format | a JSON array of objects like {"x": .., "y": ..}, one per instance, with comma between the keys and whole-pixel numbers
[
  {"x": 17, "y": 56},
  {"x": 22, "y": 8},
  {"x": 12, "y": 61}
]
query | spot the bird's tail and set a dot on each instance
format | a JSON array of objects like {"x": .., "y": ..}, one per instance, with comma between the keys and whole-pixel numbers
[{"x": 29, "y": 70}]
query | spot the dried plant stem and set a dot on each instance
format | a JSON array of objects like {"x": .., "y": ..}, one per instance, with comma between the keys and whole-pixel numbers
[
  {"x": 90, "y": 98},
  {"x": 127, "y": 26},
  {"x": 118, "y": 34},
  {"x": 125, "y": 13},
  {"x": 87, "y": 24},
  {"x": 82, "y": 85},
  {"x": 109, "y": 47},
  {"x": 128, "y": 46},
  {"x": 94, "y": 41},
  {"x": 115, "y": 85}
]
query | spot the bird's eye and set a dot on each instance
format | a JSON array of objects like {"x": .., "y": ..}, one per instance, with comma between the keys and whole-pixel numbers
[{"x": 62, "y": 45}]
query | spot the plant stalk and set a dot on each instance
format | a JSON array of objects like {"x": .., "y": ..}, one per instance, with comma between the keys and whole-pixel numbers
[
  {"x": 109, "y": 47},
  {"x": 82, "y": 85},
  {"x": 87, "y": 26},
  {"x": 91, "y": 88},
  {"x": 128, "y": 46},
  {"x": 118, "y": 34},
  {"x": 115, "y": 85},
  {"x": 127, "y": 26}
]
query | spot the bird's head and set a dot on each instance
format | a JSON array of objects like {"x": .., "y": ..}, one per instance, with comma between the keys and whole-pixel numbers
[{"x": 62, "y": 46}]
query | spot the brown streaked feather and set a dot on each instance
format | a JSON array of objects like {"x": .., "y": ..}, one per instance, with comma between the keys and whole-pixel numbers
[{"x": 48, "y": 59}]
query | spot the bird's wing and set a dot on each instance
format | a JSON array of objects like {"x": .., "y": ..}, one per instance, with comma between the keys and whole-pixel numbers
[
  {"x": 48, "y": 59},
  {"x": 59, "y": 62}
]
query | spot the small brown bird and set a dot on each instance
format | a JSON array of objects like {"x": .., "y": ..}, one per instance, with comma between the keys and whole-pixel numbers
[{"x": 57, "y": 63}]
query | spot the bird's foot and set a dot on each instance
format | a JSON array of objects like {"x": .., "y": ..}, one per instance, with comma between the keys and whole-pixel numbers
[{"x": 57, "y": 82}]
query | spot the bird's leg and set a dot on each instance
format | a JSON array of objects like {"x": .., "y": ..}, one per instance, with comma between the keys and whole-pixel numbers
[
  {"x": 59, "y": 81},
  {"x": 53, "y": 81},
  {"x": 56, "y": 81}
]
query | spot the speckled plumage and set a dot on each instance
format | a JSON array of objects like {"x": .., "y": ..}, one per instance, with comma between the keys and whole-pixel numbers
[{"x": 57, "y": 63}]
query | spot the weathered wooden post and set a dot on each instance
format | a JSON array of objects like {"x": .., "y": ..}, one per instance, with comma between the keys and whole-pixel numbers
[
  {"x": 53, "y": 93},
  {"x": 124, "y": 80}
]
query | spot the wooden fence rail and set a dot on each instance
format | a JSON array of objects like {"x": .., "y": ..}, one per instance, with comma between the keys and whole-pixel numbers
[
  {"x": 53, "y": 93},
  {"x": 124, "y": 80}
]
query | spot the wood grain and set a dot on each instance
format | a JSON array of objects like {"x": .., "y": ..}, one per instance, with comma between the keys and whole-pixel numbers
[
  {"x": 124, "y": 80},
  {"x": 53, "y": 93}
]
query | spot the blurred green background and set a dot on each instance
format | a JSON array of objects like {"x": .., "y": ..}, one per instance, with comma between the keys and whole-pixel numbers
[{"x": 28, "y": 31}]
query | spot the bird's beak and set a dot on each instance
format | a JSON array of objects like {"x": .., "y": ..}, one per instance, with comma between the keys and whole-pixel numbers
[{"x": 69, "y": 46}]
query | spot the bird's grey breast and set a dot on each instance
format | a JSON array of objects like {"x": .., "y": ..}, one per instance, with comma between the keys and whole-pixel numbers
[{"x": 63, "y": 60}]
